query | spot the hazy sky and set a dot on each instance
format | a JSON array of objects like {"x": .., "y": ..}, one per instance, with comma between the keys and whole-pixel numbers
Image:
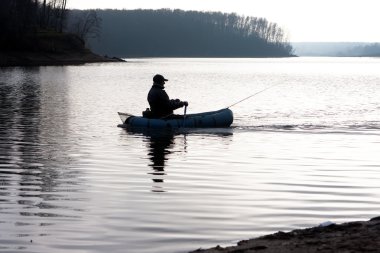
[{"x": 304, "y": 20}]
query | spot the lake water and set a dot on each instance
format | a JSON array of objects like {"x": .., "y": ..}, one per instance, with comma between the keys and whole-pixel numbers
[{"x": 301, "y": 153}]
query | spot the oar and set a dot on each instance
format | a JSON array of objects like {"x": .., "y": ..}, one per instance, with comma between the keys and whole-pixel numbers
[{"x": 184, "y": 117}]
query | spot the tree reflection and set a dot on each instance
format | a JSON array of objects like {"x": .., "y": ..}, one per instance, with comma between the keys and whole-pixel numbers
[{"x": 33, "y": 155}]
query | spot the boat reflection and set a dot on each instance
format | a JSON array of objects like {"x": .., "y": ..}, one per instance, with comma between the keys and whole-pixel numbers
[{"x": 161, "y": 144}]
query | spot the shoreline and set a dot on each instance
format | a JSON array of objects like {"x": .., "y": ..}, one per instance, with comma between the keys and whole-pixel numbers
[
  {"x": 46, "y": 48},
  {"x": 357, "y": 236},
  {"x": 34, "y": 59}
]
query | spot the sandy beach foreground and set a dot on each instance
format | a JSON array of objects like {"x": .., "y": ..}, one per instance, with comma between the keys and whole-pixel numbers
[{"x": 359, "y": 236}]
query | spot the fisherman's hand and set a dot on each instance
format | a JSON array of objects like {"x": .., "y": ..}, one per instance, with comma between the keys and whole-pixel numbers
[{"x": 185, "y": 103}]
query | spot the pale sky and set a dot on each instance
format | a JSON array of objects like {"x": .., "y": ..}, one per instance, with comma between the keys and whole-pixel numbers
[{"x": 304, "y": 20}]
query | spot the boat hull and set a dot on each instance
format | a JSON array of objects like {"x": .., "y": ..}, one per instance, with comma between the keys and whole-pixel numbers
[{"x": 220, "y": 118}]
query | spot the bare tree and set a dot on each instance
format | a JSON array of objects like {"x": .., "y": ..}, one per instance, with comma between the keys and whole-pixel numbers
[
  {"x": 60, "y": 14},
  {"x": 87, "y": 25},
  {"x": 52, "y": 14}
]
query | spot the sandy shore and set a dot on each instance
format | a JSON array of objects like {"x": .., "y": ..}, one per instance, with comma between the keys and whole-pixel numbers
[{"x": 359, "y": 236}]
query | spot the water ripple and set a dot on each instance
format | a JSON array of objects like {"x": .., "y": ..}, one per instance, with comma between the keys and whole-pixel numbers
[{"x": 298, "y": 155}]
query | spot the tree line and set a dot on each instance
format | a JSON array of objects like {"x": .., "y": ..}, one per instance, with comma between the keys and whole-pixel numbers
[
  {"x": 21, "y": 19},
  {"x": 367, "y": 50},
  {"x": 178, "y": 33},
  {"x": 143, "y": 33}
]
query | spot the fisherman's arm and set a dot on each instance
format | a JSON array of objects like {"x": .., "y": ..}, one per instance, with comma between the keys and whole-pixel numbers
[{"x": 176, "y": 103}]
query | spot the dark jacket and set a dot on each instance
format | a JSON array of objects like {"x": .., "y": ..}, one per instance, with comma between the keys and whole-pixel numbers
[{"x": 160, "y": 104}]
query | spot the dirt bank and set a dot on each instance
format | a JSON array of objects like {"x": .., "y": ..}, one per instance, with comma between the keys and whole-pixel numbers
[
  {"x": 50, "y": 48},
  {"x": 8, "y": 59},
  {"x": 360, "y": 236}
]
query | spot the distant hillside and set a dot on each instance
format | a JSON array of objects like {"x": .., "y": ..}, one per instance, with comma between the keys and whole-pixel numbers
[
  {"x": 364, "y": 50},
  {"x": 336, "y": 49},
  {"x": 177, "y": 33}
]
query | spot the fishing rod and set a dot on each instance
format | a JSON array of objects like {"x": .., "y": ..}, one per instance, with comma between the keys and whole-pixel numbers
[{"x": 254, "y": 94}]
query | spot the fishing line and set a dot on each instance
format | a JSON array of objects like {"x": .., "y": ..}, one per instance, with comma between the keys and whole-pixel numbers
[{"x": 254, "y": 94}]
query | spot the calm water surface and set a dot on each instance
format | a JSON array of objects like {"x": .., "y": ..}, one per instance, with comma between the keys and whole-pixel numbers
[{"x": 301, "y": 153}]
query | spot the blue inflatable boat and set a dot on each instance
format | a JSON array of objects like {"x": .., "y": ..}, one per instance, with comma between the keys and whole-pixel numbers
[{"x": 220, "y": 118}]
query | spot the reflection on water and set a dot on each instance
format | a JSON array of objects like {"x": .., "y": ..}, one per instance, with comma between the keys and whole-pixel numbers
[
  {"x": 35, "y": 178},
  {"x": 160, "y": 144},
  {"x": 159, "y": 147},
  {"x": 297, "y": 155}
]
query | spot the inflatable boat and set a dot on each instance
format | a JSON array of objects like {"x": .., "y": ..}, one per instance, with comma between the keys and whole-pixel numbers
[{"x": 220, "y": 118}]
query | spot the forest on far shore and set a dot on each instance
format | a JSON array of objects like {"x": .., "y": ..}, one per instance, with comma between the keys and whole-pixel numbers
[
  {"x": 178, "y": 33},
  {"x": 22, "y": 20},
  {"x": 46, "y": 26},
  {"x": 337, "y": 49}
]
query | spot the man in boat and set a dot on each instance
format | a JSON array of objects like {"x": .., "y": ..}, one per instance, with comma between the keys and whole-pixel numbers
[{"x": 161, "y": 107}]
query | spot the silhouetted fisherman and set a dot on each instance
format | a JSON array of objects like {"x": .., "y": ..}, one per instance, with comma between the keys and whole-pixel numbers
[{"x": 160, "y": 104}]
